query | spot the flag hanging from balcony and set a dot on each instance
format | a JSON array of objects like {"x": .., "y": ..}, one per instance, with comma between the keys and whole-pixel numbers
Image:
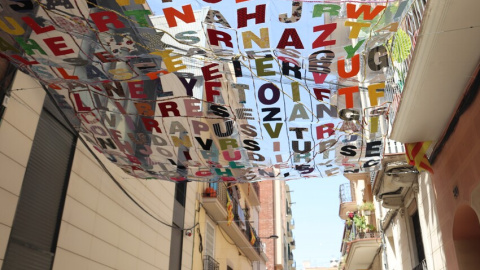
[
  {"x": 253, "y": 239},
  {"x": 229, "y": 210},
  {"x": 416, "y": 156}
]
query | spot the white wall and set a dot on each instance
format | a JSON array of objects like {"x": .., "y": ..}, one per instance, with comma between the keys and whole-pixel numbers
[
  {"x": 401, "y": 248},
  {"x": 431, "y": 233},
  {"x": 17, "y": 130},
  {"x": 101, "y": 227}
]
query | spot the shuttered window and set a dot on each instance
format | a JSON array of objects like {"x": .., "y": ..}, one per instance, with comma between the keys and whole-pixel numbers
[
  {"x": 35, "y": 228},
  {"x": 209, "y": 240}
]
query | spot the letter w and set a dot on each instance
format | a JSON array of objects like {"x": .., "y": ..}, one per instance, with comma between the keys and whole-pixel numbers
[{"x": 353, "y": 13}]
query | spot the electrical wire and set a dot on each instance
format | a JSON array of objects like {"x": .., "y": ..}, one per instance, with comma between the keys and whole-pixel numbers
[{"x": 105, "y": 169}]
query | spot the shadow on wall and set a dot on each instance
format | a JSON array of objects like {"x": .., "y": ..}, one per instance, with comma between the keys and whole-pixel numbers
[{"x": 466, "y": 236}]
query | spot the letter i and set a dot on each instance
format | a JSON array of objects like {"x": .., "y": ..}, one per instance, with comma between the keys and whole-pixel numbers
[{"x": 276, "y": 148}]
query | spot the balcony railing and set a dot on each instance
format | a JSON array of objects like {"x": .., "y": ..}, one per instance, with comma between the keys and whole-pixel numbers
[
  {"x": 345, "y": 193},
  {"x": 290, "y": 256},
  {"x": 421, "y": 266},
  {"x": 354, "y": 234},
  {"x": 398, "y": 71},
  {"x": 219, "y": 191},
  {"x": 257, "y": 244},
  {"x": 209, "y": 263},
  {"x": 347, "y": 201}
]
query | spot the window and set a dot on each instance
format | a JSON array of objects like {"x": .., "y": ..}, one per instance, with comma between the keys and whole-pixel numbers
[
  {"x": 417, "y": 233},
  {"x": 181, "y": 192},
  {"x": 209, "y": 240},
  {"x": 35, "y": 229}
]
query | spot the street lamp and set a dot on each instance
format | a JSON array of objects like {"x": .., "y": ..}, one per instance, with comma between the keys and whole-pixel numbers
[{"x": 274, "y": 236}]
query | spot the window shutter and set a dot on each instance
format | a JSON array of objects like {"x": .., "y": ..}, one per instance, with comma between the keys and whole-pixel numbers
[{"x": 209, "y": 240}]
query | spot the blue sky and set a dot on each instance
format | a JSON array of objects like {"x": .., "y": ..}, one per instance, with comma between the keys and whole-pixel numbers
[{"x": 318, "y": 228}]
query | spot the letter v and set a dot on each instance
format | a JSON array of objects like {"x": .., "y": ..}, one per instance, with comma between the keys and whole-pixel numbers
[
  {"x": 205, "y": 146},
  {"x": 273, "y": 133}
]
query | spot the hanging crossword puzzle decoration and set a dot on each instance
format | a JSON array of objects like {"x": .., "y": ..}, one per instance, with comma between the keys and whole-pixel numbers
[{"x": 216, "y": 90}]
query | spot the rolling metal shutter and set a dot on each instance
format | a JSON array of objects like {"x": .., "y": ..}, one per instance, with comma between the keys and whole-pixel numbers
[{"x": 35, "y": 228}]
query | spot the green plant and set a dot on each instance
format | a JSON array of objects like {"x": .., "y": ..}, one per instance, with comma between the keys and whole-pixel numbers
[
  {"x": 368, "y": 206},
  {"x": 349, "y": 222},
  {"x": 360, "y": 223},
  {"x": 371, "y": 228}
]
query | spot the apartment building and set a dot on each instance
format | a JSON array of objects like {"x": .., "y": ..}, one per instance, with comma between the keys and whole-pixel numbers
[
  {"x": 431, "y": 220},
  {"x": 65, "y": 206},
  {"x": 277, "y": 224},
  {"x": 441, "y": 109},
  {"x": 361, "y": 241}
]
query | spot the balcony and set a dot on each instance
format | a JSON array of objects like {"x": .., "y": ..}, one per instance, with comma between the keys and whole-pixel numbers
[
  {"x": 393, "y": 182},
  {"x": 290, "y": 257},
  {"x": 289, "y": 214},
  {"x": 252, "y": 192},
  {"x": 399, "y": 69},
  {"x": 292, "y": 244},
  {"x": 360, "y": 248},
  {"x": 292, "y": 224},
  {"x": 214, "y": 201},
  {"x": 289, "y": 236},
  {"x": 209, "y": 263},
  {"x": 427, "y": 77},
  {"x": 347, "y": 201}
]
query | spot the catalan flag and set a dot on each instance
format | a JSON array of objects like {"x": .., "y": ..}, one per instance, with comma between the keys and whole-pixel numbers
[
  {"x": 229, "y": 210},
  {"x": 253, "y": 239},
  {"x": 416, "y": 155}
]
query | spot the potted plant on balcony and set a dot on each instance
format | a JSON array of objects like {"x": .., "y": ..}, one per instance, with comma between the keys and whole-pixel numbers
[
  {"x": 349, "y": 223},
  {"x": 360, "y": 224},
  {"x": 210, "y": 192},
  {"x": 367, "y": 208},
  {"x": 372, "y": 230}
]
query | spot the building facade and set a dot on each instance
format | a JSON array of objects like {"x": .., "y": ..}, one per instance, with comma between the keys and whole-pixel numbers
[
  {"x": 227, "y": 235},
  {"x": 361, "y": 240},
  {"x": 450, "y": 197},
  {"x": 277, "y": 224},
  {"x": 431, "y": 220},
  {"x": 66, "y": 207}
]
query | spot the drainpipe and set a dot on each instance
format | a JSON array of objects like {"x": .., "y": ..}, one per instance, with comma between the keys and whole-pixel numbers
[{"x": 384, "y": 248}]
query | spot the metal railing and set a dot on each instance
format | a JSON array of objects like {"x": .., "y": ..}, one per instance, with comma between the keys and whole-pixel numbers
[
  {"x": 221, "y": 195},
  {"x": 355, "y": 234},
  {"x": 209, "y": 263},
  {"x": 397, "y": 71},
  {"x": 421, "y": 266},
  {"x": 290, "y": 256},
  {"x": 257, "y": 245},
  {"x": 345, "y": 193}
]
